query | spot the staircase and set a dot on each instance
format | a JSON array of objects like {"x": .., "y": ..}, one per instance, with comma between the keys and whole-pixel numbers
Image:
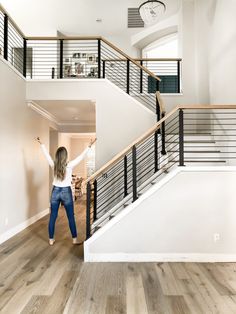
[
  {"x": 199, "y": 150},
  {"x": 188, "y": 136}
]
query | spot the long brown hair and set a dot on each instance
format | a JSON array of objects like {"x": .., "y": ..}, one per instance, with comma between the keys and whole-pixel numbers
[{"x": 60, "y": 163}]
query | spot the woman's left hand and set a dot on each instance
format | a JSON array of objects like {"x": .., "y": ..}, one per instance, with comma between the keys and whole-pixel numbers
[{"x": 92, "y": 142}]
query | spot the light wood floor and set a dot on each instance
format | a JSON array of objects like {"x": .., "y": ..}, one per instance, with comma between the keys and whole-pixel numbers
[{"x": 37, "y": 278}]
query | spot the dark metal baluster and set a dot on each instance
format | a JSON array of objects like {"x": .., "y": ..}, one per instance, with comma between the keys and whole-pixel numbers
[
  {"x": 181, "y": 137},
  {"x": 157, "y": 85},
  {"x": 163, "y": 135},
  {"x": 127, "y": 77},
  {"x": 99, "y": 58},
  {"x": 158, "y": 112},
  {"x": 156, "y": 161},
  {"x": 141, "y": 78},
  {"x": 5, "y": 46},
  {"x": 61, "y": 59},
  {"x": 95, "y": 200},
  {"x": 88, "y": 208},
  {"x": 134, "y": 167},
  {"x": 178, "y": 73},
  {"x": 53, "y": 72},
  {"x": 24, "y": 57},
  {"x": 125, "y": 177},
  {"x": 103, "y": 69}
]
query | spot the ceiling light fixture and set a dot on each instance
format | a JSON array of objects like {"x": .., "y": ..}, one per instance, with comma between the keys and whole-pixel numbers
[{"x": 151, "y": 11}]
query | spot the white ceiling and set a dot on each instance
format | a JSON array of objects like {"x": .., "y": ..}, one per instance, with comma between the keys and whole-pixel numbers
[
  {"x": 76, "y": 17},
  {"x": 70, "y": 111}
]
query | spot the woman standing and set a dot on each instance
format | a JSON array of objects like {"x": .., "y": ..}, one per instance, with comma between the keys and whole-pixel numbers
[{"x": 61, "y": 192}]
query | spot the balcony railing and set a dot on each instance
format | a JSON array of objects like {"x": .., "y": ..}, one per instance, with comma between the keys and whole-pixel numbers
[{"x": 88, "y": 57}]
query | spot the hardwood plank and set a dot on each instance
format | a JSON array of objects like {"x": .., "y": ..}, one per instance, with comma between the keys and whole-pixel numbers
[
  {"x": 57, "y": 302},
  {"x": 178, "y": 305},
  {"x": 35, "y": 303},
  {"x": 81, "y": 296},
  {"x": 114, "y": 306},
  {"x": 193, "y": 298},
  {"x": 168, "y": 282},
  {"x": 136, "y": 300},
  {"x": 216, "y": 278},
  {"x": 231, "y": 302},
  {"x": 179, "y": 270},
  {"x": 21, "y": 288},
  {"x": 117, "y": 286},
  {"x": 209, "y": 293},
  {"x": 156, "y": 301}
]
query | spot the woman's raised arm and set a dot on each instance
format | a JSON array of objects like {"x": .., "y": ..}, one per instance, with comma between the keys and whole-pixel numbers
[
  {"x": 46, "y": 153},
  {"x": 79, "y": 158}
]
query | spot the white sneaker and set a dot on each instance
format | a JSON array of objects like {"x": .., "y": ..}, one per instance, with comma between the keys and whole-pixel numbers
[
  {"x": 51, "y": 241},
  {"x": 76, "y": 241}
]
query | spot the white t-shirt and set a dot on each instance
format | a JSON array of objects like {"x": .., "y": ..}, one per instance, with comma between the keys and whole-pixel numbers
[{"x": 71, "y": 164}]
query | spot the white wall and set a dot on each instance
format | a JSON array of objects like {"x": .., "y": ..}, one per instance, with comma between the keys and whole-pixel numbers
[
  {"x": 213, "y": 36},
  {"x": 53, "y": 145},
  {"x": 24, "y": 172},
  {"x": 222, "y": 63},
  {"x": 174, "y": 221},
  {"x": 119, "y": 118}
]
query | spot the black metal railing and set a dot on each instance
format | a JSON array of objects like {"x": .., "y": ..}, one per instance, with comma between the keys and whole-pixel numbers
[
  {"x": 196, "y": 136},
  {"x": 73, "y": 58},
  {"x": 87, "y": 57},
  {"x": 1, "y": 33},
  {"x": 169, "y": 71},
  {"x": 126, "y": 178},
  {"x": 139, "y": 83},
  {"x": 11, "y": 42}
]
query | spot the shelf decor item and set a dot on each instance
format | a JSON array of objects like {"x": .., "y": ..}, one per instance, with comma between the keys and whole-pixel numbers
[
  {"x": 151, "y": 11},
  {"x": 76, "y": 55},
  {"x": 79, "y": 68},
  {"x": 91, "y": 58},
  {"x": 67, "y": 60},
  {"x": 67, "y": 70}
]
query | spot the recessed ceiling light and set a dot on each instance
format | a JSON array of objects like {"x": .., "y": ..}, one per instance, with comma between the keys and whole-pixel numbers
[
  {"x": 75, "y": 118},
  {"x": 99, "y": 20}
]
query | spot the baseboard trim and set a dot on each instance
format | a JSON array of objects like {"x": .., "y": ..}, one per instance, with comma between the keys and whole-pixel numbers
[
  {"x": 13, "y": 231},
  {"x": 192, "y": 257}
]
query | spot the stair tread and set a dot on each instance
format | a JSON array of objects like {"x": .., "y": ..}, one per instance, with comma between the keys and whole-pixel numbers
[
  {"x": 197, "y": 151},
  {"x": 192, "y": 142},
  {"x": 202, "y": 160}
]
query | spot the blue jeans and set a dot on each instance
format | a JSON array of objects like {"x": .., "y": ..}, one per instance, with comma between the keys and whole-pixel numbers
[{"x": 64, "y": 196}]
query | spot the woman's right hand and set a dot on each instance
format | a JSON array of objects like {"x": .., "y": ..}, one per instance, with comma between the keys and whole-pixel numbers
[{"x": 38, "y": 140}]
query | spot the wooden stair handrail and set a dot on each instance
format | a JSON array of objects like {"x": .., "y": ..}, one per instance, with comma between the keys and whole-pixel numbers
[
  {"x": 150, "y": 132},
  {"x": 38, "y": 38},
  {"x": 160, "y": 102},
  {"x": 143, "y": 59},
  {"x": 128, "y": 148}
]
